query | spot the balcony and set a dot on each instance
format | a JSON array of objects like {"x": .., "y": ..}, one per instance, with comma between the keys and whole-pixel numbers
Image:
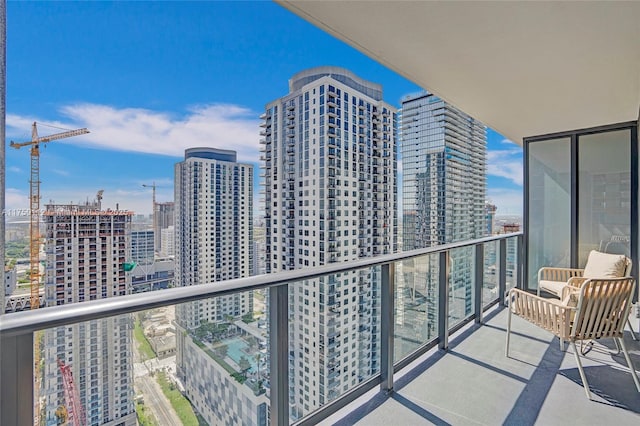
[
  {"x": 17, "y": 329},
  {"x": 455, "y": 371},
  {"x": 538, "y": 384}
]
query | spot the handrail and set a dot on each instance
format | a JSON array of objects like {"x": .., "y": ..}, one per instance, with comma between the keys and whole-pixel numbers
[
  {"x": 31, "y": 321},
  {"x": 17, "y": 331}
]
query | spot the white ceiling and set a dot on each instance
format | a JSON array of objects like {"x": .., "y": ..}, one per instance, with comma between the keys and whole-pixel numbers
[{"x": 523, "y": 68}]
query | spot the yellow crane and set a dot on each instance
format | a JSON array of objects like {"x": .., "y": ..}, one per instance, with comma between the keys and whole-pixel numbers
[
  {"x": 34, "y": 235},
  {"x": 34, "y": 202}
]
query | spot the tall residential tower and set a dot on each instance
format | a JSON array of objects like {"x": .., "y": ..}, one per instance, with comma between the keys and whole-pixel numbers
[
  {"x": 329, "y": 159},
  {"x": 214, "y": 236},
  {"x": 86, "y": 250}
]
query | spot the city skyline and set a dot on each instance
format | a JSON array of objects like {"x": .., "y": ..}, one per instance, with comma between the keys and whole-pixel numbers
[{"x": 141, "y": 122}]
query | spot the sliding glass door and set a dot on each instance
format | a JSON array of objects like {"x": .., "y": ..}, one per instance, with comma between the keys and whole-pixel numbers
[
  {"x": 604, "y": 193},
  {"x": 549, "y": 184},
  {"x": 581, "y": 194}
]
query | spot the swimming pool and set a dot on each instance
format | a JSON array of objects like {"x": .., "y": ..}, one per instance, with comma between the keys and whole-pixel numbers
[{"x": 237, "y": 348}]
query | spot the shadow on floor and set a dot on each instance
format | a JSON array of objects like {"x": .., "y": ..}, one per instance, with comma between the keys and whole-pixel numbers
[{"x": 615, "y": 386}]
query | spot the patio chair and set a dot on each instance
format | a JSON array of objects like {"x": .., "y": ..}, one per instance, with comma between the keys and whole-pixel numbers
[
  {"x": 598, "y": 309},
  {"x": 559, "y": 281}
]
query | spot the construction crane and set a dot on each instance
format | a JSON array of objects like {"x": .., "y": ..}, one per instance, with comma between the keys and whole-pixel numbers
[
  {"x": 73, "y": 411},
  {"x": 34, "y": 202},
  {"x": 34, "y": 238}
]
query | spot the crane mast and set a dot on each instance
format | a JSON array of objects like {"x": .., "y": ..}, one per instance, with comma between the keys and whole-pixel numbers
[
  {"x": 75, "y": 412},
  {"x": 34, "y": 237},
  {"x": 34, "y": 203}
]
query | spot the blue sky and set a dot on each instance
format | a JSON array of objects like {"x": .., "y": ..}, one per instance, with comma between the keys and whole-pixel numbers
[{"x": 149, "y": 79}]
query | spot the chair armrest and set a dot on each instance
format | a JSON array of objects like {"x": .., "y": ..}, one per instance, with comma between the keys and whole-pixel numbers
[
  {"x": 558, "y": 274},
  {"x": 549, "y": 314},
  {"x": 576, "y": 282}
]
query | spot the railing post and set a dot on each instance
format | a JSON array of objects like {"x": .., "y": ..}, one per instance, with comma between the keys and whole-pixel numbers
[
  {"x": 443, "y": 300},
  {"x": 479, "y": 282},
  {"x": 16, "y": 386},
  {"x": 279, "y": 347},
  {"x": 502, "y": 270},
  {"x": 387, "y": 307},
  {"x": 520, "y": 261}
]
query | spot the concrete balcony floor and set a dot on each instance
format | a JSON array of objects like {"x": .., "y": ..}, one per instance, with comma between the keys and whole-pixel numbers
[{"x": 473, "y": 383}]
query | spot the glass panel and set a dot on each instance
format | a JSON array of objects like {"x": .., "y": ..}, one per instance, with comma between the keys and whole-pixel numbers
[
  {"x": 512, "y": 263},
  {"x": 604, "y": 166},
  {"x": 334, "y": 337},
  {"x": 87, "y": 372},
  {"x": 153, "y": 366},
  {"x": 549, "y": 205},
  {"x": 491, "y": 272},
  {"x": 222, "y": 359},
  {"x": 416, "y": 299},
  {"x": 461, "y": 284}
]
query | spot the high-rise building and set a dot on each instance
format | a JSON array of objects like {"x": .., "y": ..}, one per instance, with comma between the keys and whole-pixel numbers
[
  {"x": 444, "y": 188},
  {"x": 259, "y": 250},
  {"x": 164, "y": 219},
  {"x": 142, "y": 247},
  {"x": 444, "y": 173},
  {"x": 214, "y": 231},
  {"x": 329, "y": 159},
  {"x": 86, "y": 248},
  {"x": 490, "y": 211},
  {"x": 168, "y": 241}
]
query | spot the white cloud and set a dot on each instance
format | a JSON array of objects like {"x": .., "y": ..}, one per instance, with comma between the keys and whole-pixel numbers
[
  {"x": 506, "y": 164},
  {"x": 223, "y": 126},
  {"x": 508, "y": 142},
  {"x": 16, "y": 199},
  {"x": 14, "y": 169},
  {"x": 508, "y": 201},
  {"x": 60, "y": 172}
]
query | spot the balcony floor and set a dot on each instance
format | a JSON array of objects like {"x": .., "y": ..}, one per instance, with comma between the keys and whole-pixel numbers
[{"x": 473, "y": 383}]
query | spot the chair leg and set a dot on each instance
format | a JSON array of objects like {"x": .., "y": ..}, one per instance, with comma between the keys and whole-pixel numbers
[
  {"x": 582, "y": 375},
  {"x": 506, "y": 349},
  {"x": 561, "y": 345},
  {"x": 633, "y": 370},
  {"x": 633, "y": 334}
]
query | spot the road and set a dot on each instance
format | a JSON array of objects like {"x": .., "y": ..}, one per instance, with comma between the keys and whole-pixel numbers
[
  {"x": 154, "y": 399},
  {"x": 157, "y": 402}
]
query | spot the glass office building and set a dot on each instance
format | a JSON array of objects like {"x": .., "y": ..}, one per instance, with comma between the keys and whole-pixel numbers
[{"x": 444, "y": 187}]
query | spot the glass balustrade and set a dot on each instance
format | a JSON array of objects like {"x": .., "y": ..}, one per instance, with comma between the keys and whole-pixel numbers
[{"x": 234, "y": 352}]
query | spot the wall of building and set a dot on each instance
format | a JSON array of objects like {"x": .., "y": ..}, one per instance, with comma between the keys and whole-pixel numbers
[
  {"x": 329, "y": 159},
  {"x": 85, "y": 252}
]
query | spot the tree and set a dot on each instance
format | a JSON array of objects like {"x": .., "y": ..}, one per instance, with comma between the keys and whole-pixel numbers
[
  {"x": 222, "y": 350},
  {"x": 252, "y": 342},
  {"x": 244, "y": 364},
  {"x": 248, "y": 317}
]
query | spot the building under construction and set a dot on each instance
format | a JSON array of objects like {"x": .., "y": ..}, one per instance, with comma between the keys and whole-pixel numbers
[{"x": 86, "y": 252}]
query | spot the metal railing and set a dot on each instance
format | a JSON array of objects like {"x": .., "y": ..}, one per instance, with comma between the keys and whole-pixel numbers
[{"x": 17, "y": 329}]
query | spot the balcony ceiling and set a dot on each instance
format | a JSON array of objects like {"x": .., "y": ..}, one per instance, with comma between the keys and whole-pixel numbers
[{"x": 523, "y": 68}]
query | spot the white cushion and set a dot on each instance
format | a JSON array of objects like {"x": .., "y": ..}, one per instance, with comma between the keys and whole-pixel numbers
[
  {"x": 554, "y": 287},
  {"x": 604, "y": 265}
]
